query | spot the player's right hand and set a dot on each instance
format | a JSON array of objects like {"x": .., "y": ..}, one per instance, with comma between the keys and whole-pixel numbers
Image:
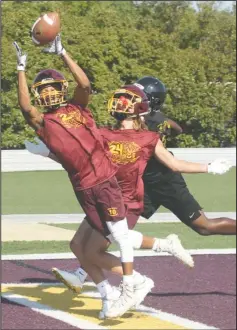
[
  {"x": 219, "y": 166},
  {"x": 21, "y": 57},
  {"x": 55, "y": 47},
  {"x": 37, "y": 148}
]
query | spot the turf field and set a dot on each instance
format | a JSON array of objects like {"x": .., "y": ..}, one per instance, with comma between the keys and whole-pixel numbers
[
  {"x": 181, "y": 299},
  {"x": 50, "y": 192}
]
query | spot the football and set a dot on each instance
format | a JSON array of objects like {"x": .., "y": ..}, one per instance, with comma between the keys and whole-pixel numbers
[{"x": 45, "y": 28}]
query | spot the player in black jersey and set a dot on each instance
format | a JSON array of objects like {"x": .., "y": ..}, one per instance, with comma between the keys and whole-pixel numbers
[{"x": 165, "y": 187}]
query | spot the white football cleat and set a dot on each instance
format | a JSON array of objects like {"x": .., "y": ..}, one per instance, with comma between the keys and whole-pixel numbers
[
  {"x": 70, "y": 279},
  {"x": 121, "y": 305},
  {"x": 142, "y": 289},
  {"x": 175, "y": 248},
  {"x": 107, "y": 301}
]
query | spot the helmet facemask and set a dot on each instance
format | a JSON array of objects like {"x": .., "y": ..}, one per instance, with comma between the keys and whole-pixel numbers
[
  {"x": 124, "y": 103},
  {"x": 50, "y": 98},
  {"x": 154, "y": 103}
]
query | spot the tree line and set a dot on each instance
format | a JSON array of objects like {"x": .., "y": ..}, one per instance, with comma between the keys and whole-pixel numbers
[{"x": 193, "y": 52}]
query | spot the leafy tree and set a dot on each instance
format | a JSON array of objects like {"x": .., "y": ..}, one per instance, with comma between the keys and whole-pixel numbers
[{"x": 116, "y": 42}]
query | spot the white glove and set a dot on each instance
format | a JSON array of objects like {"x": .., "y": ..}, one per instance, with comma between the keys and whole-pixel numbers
[
  {"x": 21, "y": 58},
  {"x": 55, "y": 47},
  {"x": 219, "y": 166},
  {"x": 38, "y": 149}
]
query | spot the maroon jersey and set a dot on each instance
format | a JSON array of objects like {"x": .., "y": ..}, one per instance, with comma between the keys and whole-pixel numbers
[
  {"x": 71, "y": 134},
  {"x": 130, "y": 150}
]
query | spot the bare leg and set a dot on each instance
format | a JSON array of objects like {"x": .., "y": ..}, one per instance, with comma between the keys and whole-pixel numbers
[
  {"x": 78, "y": 247},
  {"x": 96, "y": 253},
  {"x": 98, "y": 244},
  {"x": 218, "y": 226}
]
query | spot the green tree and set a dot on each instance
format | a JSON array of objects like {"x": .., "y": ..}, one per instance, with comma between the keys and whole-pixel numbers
[{"x": 117, "y": 42}]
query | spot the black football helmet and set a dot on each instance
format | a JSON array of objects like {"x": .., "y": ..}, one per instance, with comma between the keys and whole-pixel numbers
[
  {"x": 52, "y": 78},
  {"x": 155, "y": 91},
  {"x": 128, "y": 101}
]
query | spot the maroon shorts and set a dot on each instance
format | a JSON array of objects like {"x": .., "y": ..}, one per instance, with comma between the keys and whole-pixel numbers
[
  {"x": 132, "y": 218},
  {"x": 102, "y": 203},
  {"x": 134, "y": 210}
]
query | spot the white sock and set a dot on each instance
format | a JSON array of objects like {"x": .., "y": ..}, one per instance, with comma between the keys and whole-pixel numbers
[
  {"x": 81, "y": 274},
  {"x": 137, "y": 277},
  {"x": 128, "y": 279},
  {"x": 104, "y": 288},
  {"x": 161, "y": 245}
]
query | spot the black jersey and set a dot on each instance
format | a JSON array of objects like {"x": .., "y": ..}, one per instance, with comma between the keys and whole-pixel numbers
[
  {"x": 155, "y": 171},
  {"x": 157, "y": 122}
]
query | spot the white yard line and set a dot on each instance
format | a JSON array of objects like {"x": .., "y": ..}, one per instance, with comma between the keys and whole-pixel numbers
[
  {"x": 77, "y": 218},
  {"x": 49, "y": 311},
  {"x": 137, "y": 253}
]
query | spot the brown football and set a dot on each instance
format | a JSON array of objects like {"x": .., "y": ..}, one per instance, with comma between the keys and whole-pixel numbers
[{"x": 45, "y": 28}]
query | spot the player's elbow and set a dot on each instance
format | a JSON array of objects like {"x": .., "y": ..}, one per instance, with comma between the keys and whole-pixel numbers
[
  {"x": 174, "y": 168},
  {"x": 85, "y": 85}
]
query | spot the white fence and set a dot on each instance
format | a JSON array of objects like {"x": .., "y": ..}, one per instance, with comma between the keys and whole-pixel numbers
[{"x": 22, "y": 160}]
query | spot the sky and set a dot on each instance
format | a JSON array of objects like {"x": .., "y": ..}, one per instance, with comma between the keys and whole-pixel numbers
[{"x": 223, "y": 4}]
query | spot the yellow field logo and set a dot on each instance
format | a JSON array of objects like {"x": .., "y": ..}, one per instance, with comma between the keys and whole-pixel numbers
[
  {"x": 73, "y": 119},
  {"x": 124, "y": 152},
  {"x": 113, "y": 211}
]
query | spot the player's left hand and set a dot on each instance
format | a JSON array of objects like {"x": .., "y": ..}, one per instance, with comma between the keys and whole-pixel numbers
[
  {"x": 219, "y": 166},
  {"x": 21, "y": 57},
  {"x": 55, "y": 47}
]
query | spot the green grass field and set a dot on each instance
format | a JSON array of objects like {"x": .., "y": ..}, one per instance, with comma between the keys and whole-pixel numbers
[
  {"x": 189, "y": 239},
  {"x": 51, "y": 192}
]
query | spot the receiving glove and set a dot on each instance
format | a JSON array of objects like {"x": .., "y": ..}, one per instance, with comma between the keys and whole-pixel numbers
[
  {"x": 219, "y": 166},
  {"x": 55, "y": 47},
  {"x": 21, "y": 58},
  {"x": 38, "y": 149}
]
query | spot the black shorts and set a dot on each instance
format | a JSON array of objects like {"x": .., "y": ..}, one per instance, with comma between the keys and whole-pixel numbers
[{"x": 171, "y": 192}]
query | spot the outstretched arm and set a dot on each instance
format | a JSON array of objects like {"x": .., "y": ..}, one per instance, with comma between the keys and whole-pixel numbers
[
  {"x": 83, "y": 89},
  {"x": 39, "y": 148},
  {"x": 32, "y": 116},
  {"x": 177, "y": 165}
]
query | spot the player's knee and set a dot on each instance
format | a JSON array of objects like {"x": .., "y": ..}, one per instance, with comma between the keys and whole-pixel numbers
[
  {"x": 136, "y": 238},
  {"x": 120, "y": 233},
  {"x": 205, "y": 229},
  {"x": 76, "y": 248},
  {"x": 119, "y": 230},
  {"x": 72, "y": 245}
]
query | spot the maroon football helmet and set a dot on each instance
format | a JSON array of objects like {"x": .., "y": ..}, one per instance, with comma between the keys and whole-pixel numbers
[
  {"x": 50, "y": 97},
  {"x": 129, "y": 100}
]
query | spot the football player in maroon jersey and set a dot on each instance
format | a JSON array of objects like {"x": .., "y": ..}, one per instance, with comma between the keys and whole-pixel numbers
[
  {"x": 68, "y": 129},
  {"x": 131, "y": 145}
]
